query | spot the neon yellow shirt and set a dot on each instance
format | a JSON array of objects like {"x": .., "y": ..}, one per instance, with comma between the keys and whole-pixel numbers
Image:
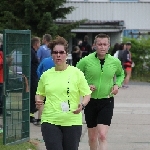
[{"x": 54, "y": 86}]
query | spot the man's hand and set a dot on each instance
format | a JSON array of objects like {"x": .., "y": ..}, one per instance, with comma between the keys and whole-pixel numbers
[
  {"x": 92, "y": 87},
  {"x": 115, "y": 89}
]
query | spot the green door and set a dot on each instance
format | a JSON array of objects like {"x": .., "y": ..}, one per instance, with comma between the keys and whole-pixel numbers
[{"x": 16, "y": 52}]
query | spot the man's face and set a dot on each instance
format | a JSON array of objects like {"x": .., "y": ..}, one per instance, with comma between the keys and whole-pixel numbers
[
  {"x": 43, "y": 40},
  {"x": 37, "y": 45},
  {"x": 102, "y": 46}
]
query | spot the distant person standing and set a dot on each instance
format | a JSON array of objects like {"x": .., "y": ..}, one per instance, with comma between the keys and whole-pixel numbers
[
  {"x": 76, "y": 55},
  {"x": 44, "y": 51},
  {"x": 86, "y": 48},
  {"x": 119, "y": 53},
  {"x": 127, "y": 64},
  {"x": 80, "y": 43},
  {"x": 46, "y": 63},
  {"x": 35, "y": 44},
  {"x": 122, "y": 47},
  {"x": 115, "y": 50}
]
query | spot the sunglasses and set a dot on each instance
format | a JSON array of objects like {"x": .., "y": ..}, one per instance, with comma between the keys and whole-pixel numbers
[{"x": 58, "y": 52}]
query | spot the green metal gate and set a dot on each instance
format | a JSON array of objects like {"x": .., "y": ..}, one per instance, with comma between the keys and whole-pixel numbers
[{"x": 17, "y": 47}]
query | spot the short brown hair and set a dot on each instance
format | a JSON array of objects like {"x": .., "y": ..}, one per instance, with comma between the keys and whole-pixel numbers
[
  {"x": 101, "y": 35},
  {"x": 34, "y": 40},
  {"x": 58, "y": 41}
]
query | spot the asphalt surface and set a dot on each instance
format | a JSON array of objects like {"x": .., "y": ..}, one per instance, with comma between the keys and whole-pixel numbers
[{"x": 130, "y": 128}]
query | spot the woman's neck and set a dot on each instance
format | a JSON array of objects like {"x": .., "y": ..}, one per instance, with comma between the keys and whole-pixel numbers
[{"x": 61, "y": 67}]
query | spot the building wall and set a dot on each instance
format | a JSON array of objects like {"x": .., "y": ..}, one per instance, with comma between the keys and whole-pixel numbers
[
  {"x": 110, "y": 0},
  {"x": 134, "y": 14},
  {"x": 115, "y": 38}
]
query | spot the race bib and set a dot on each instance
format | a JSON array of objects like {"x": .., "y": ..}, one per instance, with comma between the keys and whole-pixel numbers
[{"x": 65, "y": 106}]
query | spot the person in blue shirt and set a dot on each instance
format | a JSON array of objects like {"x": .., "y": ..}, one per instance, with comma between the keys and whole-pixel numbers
[
  {"x": 46, "y": 64},
  {"x": 44, "y": 51}
]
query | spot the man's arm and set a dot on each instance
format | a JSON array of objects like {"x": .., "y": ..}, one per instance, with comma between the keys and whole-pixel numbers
[
  {"x": 81, "y": 65},
  {"x": 119, "y": 74},
  {"x": 39, "y": 53}
]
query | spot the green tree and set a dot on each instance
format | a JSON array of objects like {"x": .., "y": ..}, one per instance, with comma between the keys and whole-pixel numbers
[{"x": 37, "y": 16}]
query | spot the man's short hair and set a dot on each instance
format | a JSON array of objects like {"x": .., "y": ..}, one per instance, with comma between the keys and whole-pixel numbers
[
  {"x": 47, "y": 37},
  {"x": 102, "y": 35},
  {"x": 35, "y": 40}
]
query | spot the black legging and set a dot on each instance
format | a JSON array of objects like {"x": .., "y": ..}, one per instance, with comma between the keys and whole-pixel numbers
[{"x": 61, "y": 137}]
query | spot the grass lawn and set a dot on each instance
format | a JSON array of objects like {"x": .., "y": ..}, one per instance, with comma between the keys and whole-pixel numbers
[{"x": 23, "y": 146}]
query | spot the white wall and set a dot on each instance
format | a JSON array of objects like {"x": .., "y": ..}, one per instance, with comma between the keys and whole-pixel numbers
[{"x": 135, "y": 15}]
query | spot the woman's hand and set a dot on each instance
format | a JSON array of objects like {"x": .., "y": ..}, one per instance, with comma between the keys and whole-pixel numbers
[{"x": 78, "y": 110}]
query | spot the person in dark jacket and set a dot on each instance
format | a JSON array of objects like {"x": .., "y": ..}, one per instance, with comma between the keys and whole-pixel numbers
[
  {"x": 86, "y": 48},
  {"x": 76, "y": 55},
  {"x": 35, "y": 44},
  {"x": 127, "y": 64}
]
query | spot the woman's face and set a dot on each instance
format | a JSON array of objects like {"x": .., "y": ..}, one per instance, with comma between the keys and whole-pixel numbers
[{"x": 59, "y": 55}]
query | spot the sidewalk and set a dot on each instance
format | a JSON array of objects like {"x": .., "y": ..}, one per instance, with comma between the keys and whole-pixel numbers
[{"x": 130, "y": 128}]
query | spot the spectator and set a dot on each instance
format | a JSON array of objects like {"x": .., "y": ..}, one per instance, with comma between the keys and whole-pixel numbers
[
  {"x": 76, "y": 55},
  {"x": 35, "y": 44},
  {"x": 120, "y": 52},
  {"x": 127, "y": 64},
  {"x": 44, "y": 51},
  {"x": 115, "y": 50},
  {"x": 86, "y": 48}
]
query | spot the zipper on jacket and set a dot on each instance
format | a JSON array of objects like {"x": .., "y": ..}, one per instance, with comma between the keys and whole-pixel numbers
[{"x": 101, "y": 73}]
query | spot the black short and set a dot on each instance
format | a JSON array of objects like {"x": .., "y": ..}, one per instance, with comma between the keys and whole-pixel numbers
[{"x": 99, "y": 111}]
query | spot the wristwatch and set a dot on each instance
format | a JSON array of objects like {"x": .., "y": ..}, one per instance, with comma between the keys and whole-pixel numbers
[{"x": 83, "y": 106}]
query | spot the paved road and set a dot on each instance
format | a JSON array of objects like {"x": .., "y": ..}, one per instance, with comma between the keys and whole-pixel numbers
[{"x": 130, "y": 128}]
